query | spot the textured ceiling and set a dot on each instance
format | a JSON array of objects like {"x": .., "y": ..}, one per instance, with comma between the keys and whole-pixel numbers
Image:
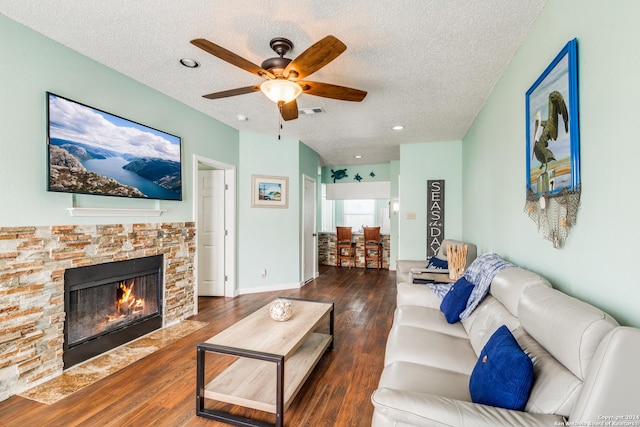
[{"x": 426, "y": 64}]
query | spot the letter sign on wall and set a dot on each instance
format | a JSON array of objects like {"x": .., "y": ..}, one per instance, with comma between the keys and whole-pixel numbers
[{"x": 435, "y": 216}]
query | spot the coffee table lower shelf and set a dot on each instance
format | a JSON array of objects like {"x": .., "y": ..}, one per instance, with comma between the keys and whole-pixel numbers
[{"x": 252, "y": 381}]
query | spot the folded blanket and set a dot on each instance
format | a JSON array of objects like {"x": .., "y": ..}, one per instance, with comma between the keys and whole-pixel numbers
[
  {"x": 440, "y": 289},
  {"x": 481, "y": 272}
]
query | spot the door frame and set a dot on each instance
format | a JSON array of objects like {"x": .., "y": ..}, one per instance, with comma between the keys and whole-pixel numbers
[
  {"x": 315, "y": 232},
  {"x": 230, "y": 289}
]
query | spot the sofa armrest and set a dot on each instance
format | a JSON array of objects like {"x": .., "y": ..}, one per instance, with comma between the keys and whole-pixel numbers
[
  {"x": 403, "y": 269},
  {"x": 420, "y": 295},
  {"x": 393, "y": 407},
  {"x": 611, "y": 387}
]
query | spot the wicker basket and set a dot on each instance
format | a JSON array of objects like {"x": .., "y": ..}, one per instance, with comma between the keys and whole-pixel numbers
[{"x": 457, "y": 259}]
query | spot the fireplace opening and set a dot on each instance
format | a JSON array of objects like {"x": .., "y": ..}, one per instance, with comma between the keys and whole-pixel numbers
[{"x": 109, "y": 304}]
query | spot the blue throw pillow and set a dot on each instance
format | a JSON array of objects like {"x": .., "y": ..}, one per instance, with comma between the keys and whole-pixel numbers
[
  {"x": 437, "y": 263},
  {"x": 455, "y": 301},
  {"x": 503, "y": 374}
]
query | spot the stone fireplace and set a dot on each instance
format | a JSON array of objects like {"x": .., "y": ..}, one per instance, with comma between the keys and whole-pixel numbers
[
  {"x": 109, "y": 304},
  {"x": 33, "y": 261}
]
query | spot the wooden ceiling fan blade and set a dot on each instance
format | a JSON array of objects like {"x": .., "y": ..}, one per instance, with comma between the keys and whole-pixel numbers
[
  {"x": 232, "y": 92},
  {"x": 289, "y": 111},
  {"x": 327, "y": 90},
  {"x": 231, "y": 58},
  {"x": 315, "y": 57}
]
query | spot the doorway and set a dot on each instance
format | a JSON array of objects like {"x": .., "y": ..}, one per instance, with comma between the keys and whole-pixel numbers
[
  {"x": 309, "y": 235},
  {"x": 214, "y": 196}
]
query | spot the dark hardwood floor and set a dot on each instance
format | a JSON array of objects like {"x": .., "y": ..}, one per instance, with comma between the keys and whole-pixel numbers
[{"x": 159, "y": 389}]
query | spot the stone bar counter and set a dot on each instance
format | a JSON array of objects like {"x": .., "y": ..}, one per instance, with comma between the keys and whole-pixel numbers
[{"x": 327, "y": 249}]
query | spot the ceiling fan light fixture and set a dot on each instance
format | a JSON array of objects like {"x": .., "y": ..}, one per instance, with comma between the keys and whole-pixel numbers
[{"x": 281, "y": 90}]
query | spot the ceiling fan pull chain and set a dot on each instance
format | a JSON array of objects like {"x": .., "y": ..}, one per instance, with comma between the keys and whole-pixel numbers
[{"x": 280, "y": 105}]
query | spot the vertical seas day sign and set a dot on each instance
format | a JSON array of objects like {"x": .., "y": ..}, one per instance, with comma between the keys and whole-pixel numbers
[{"x": 435, "y": 216}]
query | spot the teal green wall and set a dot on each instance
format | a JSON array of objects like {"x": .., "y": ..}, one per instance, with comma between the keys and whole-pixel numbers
[
  {"x": 394, "y": 177},
  {"x": 32, "y": 65},
  {"x": 268, "y": 238},
  {"x": 419, "y": 163},
  {"x": 380, "y": 170},
  {"x": 309, "y": 162},
  {"x": 598, "y": 262}
]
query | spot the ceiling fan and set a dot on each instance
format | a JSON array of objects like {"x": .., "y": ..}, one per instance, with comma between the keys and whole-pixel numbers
[{"x": 284, "y": 76}]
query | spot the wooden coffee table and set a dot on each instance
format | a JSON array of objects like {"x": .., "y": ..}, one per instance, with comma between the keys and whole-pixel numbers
[{"x": 262, "y": 346}]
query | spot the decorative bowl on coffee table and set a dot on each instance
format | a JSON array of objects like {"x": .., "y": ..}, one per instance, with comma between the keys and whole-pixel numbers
[{"x": 281, "y": 310}]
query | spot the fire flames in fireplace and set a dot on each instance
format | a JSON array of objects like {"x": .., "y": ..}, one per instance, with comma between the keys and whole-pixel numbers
[
  {"x": 127, "y": 303},
  {"x": 101, "y": 309}
]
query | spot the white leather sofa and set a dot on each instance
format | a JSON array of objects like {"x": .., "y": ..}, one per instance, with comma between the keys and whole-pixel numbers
[
  {"x": 586, "y": 367},
  {"x": 404, "y": 267}
]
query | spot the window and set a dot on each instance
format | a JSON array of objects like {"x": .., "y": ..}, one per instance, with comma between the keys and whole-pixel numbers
[
  {"x": 354, "y": 213},
  {"x": 357, "y": 213}
]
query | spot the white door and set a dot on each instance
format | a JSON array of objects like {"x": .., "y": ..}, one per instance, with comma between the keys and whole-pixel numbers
[
  {"x": 309, "y": 230},
  {"x": 211, "y": 233}
]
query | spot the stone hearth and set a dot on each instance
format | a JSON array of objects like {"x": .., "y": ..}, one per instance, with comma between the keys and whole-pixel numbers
[
  {"x": 32, "y": 265},
  {"x": 86, "y": 373}
]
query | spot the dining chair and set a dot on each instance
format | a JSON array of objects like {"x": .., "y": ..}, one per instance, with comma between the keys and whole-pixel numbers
[
  {"x": 372, "y": 246},
  {"x": 345, "y": 248}
]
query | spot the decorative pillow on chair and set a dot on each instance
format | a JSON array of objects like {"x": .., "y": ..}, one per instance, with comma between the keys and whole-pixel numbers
[
  {"x": 503, "y": 374},
  {"x": 455, "y": 301},
  {"x": 437, "y": 264}
]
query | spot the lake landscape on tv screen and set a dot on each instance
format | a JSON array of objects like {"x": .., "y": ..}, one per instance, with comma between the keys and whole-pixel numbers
[{"x": 94, "y": 152}]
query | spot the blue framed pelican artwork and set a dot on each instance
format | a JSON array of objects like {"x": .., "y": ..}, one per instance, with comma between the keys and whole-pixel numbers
[{"x": 552, "y": 130}]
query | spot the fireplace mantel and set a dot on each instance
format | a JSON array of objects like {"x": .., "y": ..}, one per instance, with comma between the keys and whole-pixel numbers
[{"x": 115, "y": 212}]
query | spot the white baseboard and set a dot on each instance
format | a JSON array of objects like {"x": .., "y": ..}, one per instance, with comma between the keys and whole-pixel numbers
[{"x": 271, "y": 288}]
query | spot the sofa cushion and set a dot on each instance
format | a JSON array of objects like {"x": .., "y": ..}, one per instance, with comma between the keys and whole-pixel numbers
[
  {"x": 508, "y": 285},
  {"x": 400, "y": 408},
  {"x": 481, "y": 273},
  {"x": 422, "y": 295},
  {"x": 424, "y": 347},
  {"x": 485, "y": 320},
  {"x": 455, "y": 301},
  {"x": 568, "y": 328},
  {"x": 417, "y": 378},
  {"x": 555, "y": 389},
  {"x": 503, "y": 374},
  {"x": 427, "y": 318}
]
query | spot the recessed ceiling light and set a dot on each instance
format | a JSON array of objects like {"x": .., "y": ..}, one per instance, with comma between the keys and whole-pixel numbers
[
  {"x": 357, "y": 156},
  {"x": 189, "y": 63},
  {"x": 398, "y": 127},
  {"x": 242, "y": 117}
]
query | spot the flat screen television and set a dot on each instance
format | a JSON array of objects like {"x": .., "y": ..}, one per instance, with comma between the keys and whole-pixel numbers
[{"x": 93, "y": 152}]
